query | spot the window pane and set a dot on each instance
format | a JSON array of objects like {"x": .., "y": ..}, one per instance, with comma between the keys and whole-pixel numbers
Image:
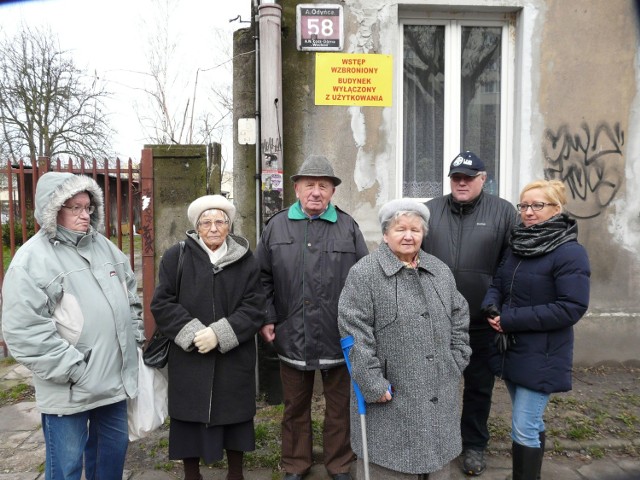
[
  {"x": 423, "y": 110},
  {"x": 480, "y": 100}
]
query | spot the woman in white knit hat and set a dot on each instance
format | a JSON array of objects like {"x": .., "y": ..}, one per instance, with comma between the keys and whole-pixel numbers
[{"x": 211, "y": 311}]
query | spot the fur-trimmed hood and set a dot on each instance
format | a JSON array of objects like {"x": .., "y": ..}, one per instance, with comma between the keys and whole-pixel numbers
[{"x": 55, "y": 188}]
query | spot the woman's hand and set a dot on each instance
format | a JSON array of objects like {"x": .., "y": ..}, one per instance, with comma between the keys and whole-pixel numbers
[
  {"x": 495, "y": 323},
  {"x": 205, "y": 340},
  {"x": 386, "y": 397}
]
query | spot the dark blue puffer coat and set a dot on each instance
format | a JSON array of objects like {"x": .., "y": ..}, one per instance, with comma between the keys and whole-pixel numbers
[{"x": 540, "y": 299}]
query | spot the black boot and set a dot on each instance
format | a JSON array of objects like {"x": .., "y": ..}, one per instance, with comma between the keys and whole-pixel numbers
[
  {"x": 542, "y": 437},
  {"x": 234, "y": 461},
  {"x": 526, "y": 462},
  {"x": 192, "y": 468}
]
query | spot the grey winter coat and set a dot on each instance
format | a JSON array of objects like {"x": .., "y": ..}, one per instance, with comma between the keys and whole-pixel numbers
[
  {"x": 410, "y": 328},
  {"x": 70, "y": 309}
]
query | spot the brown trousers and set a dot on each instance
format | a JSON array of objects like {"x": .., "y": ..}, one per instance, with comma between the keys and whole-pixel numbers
[{"x": 297, "y": 440}]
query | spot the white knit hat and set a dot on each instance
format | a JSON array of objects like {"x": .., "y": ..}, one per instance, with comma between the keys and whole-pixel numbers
[
  {"x": 208, "y": 202},
  {"x": 390, "y": 208}
]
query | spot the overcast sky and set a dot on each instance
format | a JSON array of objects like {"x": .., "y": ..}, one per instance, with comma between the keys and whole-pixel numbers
[{"x": 110, "y": 38}]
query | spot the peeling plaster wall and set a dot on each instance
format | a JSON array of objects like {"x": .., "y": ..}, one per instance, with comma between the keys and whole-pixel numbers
[
  {"x": 372, "y": 31},
  {"x": 358, "y": 141}
]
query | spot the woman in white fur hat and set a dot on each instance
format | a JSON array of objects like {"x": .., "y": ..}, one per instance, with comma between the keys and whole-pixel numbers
[{"x": 211, "y": 312}]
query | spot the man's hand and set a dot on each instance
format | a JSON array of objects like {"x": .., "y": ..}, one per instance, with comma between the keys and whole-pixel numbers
[
  {"x": 205, "y": 340},
  {"x": 268, "y": 332}
]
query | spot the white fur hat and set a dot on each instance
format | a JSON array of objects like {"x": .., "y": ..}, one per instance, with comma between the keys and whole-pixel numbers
[
  {"x": 208, "y": 202},
  {"x": 389, "y": 209}
]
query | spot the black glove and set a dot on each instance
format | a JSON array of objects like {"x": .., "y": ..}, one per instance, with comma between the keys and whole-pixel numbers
[{"x": 490, "y": 311}]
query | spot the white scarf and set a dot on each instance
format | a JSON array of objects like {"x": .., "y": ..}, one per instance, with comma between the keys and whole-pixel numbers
[{"x": 216, "y": 255}]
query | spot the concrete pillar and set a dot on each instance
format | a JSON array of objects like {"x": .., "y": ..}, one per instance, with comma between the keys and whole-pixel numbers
[{"x": 180, "y": 176}]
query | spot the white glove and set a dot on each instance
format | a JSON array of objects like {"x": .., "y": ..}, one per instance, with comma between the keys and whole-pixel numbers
[{"x": 205, "y": 340}]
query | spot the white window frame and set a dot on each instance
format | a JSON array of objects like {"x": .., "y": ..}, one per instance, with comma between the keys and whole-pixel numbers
[{"x": 453, "y": 23}]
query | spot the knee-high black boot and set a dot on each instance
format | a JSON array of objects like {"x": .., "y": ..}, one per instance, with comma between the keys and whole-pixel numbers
[
  {"x": 543, "y": 439},
  {"x": 526, "y": 461}
]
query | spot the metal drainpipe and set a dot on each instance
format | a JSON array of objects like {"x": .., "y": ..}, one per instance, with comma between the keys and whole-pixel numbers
[
  {"x": 268, "y": 107},
  {"x": 256, "y": 36},
  {"x": 270, "y": 20}
]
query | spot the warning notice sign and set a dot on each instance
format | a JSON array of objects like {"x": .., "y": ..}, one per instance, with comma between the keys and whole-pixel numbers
[{"x": 354, "y": 79}]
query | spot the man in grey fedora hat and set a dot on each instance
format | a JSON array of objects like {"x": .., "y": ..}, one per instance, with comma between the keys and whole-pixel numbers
[{"x": 305, "y": 253}]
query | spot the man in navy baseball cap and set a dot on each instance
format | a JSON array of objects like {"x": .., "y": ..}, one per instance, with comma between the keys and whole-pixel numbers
[
  {"x": 468, "y": 164},
  {"x": 462, "y": 224}
]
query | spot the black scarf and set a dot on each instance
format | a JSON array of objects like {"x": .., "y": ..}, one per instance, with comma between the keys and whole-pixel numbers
[{"x": 543, "y": 237}]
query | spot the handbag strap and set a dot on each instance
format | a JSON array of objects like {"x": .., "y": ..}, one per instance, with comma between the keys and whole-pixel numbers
[{"x": 179, "y": 272}]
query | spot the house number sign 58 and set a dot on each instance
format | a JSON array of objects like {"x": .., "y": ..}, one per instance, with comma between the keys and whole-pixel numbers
[{"x": 319, "y": 27}]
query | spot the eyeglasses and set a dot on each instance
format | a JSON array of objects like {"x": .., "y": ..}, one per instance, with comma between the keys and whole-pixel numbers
[
  {"x": 77, "y": 209},
  {"x": 536, "y": 206},
  {"x": 207, "y": 224}
]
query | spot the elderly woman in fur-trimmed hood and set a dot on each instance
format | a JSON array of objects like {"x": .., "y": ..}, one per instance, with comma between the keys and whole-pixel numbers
[
  {"x": 71, "y": 315},
  {"x": 211, "y": 311},
  {"x": 411, "y": 344}
]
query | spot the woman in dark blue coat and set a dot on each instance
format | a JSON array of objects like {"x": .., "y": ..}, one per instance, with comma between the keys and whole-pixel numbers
[{"x": 539, "y": 292}]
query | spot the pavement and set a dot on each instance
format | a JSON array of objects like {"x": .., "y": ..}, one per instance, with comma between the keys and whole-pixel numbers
[{"x": 22, "y": 452}]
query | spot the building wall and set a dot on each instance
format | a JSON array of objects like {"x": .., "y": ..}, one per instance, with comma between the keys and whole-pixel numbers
[
  {"x": 575, "y": 117},
  {"x": 589, "y": 105}
]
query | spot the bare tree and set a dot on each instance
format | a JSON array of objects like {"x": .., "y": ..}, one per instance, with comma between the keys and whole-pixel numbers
[
  {"x": 164, "y": 123},
  {"x": 174, "y": 113},
  {"x": 48, "y": 106}
]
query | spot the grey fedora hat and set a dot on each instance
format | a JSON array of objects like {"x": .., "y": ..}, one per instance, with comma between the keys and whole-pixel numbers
[{"x": 316, "y": 166}]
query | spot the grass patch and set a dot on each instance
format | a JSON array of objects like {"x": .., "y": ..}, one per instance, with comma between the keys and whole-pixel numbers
[
  {"x": 581, "y": 429},
  {"x": 137, "y": 243},
  {"x": 625, "y": 398},
  {"x": 164, "y": 466},
  {"x": 7, "y": 362},
  {"x": 18, "y": 393},
  {"x": 499, "y": 430},
  {"x": 596, "y": 452},
  {"x": 629, "y": 419}
]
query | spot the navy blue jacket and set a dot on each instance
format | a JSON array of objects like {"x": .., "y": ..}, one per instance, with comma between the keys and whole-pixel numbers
[{"x": 540, "y": 299}]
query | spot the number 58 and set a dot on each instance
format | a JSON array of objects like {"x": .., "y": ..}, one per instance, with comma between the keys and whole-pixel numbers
[{"x": 317, "y": 27}]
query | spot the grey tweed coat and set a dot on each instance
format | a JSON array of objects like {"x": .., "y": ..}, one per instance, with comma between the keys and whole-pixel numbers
[{"x": 410, "y": 328}]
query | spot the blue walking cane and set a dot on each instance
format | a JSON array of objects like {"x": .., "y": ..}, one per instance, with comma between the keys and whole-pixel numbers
[{"x": 346, "y": 343}]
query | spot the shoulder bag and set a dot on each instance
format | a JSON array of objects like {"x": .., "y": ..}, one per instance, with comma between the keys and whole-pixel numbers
[{"x": 156, "y": 353}]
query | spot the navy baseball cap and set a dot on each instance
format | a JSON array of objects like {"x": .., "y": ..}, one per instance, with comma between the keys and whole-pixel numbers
[{"x": 467, "y": 163}]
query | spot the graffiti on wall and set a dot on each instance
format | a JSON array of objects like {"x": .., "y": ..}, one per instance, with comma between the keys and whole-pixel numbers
[{"x": 589, "y": 161}]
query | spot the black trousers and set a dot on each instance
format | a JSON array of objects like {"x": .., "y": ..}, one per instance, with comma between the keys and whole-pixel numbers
[{"x": 478, "y": 388}]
